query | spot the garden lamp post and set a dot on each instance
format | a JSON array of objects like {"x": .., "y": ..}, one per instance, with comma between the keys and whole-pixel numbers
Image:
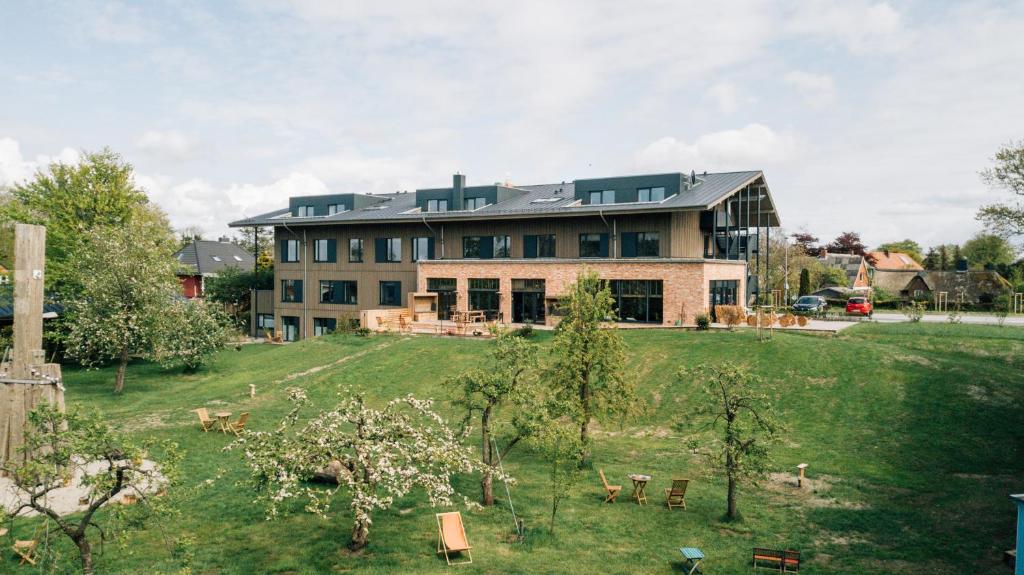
[{"x": 1018, "y": 568}]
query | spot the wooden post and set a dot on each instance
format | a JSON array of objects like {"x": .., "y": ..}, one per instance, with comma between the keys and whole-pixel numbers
[
  {"x": 800, "y": 477},
  {"x": 252, "y": 390},
  {"x": 29, "y": 260},
  {"x": 1018, "y": 568}
]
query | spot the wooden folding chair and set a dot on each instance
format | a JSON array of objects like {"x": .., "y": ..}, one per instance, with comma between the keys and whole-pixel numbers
[
  {"x": 26, "y": 549},
  {"x": 204, "y": 419},
  {"x": 237, "y": 427},
  {"x": 675, "y": 496},
  {"x": 612, "y": 490},
  {"x": 451, "y": 536}
]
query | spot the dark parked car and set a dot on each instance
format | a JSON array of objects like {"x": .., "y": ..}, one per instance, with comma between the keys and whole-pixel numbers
[
  {"x": 860, "y": 306},
  {"x": 810, "y": 304}
]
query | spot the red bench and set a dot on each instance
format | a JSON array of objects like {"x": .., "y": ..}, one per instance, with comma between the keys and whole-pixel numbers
[{"x": 783, "y": 561}]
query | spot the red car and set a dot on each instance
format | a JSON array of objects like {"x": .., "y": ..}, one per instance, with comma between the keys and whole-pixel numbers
[{"x": 860, "y": 306}]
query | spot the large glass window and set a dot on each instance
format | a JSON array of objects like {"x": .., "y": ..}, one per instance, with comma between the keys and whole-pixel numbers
[
  {"x": 602, "y": 197},
  {"x": 502, "y": 246},
  {"x": 471, "y": 247},
  {"x": 437, "y": 205},
  {"x": 341, "y": 292},
  {"x": 447, "y": 300},
  {"x": 291, "y": 290},
  {"x": 640, "y": 244},
  {"x": 484, "y": 296},
  {"x": 289, "y": 251},
  {"x": 637, "y": 300},
  {"x": 542, "y": 246},
  {"x": 650, "y": 194},
  {"x": 324, "y": 325},
  {"x": 355, "y": 250},
  {"x": 422, "y": 249},
  {"x": 593, "y": 245},
  {"x": 324, "y": 251},
  {"x": 388, "y": 250},
  {"x": 390, "y": 293},
  {"x": 265, "y": 321},
  {"x": 474, "y": 203},
  {"x": 290, "y": 327}
]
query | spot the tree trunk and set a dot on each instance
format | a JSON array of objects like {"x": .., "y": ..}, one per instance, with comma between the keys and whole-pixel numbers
[
  {"x": 731, "y": 513},
  {"x": 360, "y": 535},
  {"x": 585, "y": 423},
  {"x": 121, "y": 367},
  {"x": 85, "y": 554},
  {"x": 486, "y": 483}
]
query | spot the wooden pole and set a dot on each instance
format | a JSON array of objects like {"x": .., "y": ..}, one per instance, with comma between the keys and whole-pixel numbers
[{"x": 29, "y": 261}]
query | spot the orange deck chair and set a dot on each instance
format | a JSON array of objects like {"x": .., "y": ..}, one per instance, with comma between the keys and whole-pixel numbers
[{"x": 451, "y": 536}]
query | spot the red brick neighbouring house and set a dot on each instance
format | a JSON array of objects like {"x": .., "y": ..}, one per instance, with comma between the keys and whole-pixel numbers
[{"x": 203, "y": 258}]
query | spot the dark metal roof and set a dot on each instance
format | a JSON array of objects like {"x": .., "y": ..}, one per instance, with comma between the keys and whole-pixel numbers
[
  {"x": 201, "y": 257},
  {"x": 555, "y": 200}
]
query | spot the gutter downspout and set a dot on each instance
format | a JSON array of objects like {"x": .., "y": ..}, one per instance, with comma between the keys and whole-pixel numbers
[{"x": 614, "y": 235}]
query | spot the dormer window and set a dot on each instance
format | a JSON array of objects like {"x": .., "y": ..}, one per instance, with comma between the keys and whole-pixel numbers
[
  {"x": 437, "y": 205},
  {"x": 335, "y": 209},
  {"x": 304, "y": 212},
  {"x": 650, "y": 194},
  {"x": 474, "y": 203},
  {"x": 602, "y": 197}
]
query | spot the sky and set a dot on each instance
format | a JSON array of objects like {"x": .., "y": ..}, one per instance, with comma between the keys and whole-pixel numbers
[{"x": 874, "y": 117}]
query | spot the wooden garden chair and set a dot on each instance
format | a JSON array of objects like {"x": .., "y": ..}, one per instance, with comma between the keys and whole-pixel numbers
[
  {"x": 204, "y": 419},
  {"x": 612, "y": 490},
  {"x": 26, "y": 549},
  {"x": 675, "y": 496},
  {"x": 237, "y": 427},
  {"x": 451, "y": 536}
]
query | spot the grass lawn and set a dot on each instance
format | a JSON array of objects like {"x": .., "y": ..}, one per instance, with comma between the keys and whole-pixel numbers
[{"x": 914, "y": 434}]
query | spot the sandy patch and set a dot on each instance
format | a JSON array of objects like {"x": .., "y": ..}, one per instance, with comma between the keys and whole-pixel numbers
[
  {"x": 347, "y": 358},
  {"x": 814, "y": 492}
]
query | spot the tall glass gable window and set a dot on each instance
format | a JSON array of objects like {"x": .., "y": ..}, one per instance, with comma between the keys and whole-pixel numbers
[
  {"x": 484, "y": 296},
  {"x": 291, "y": 291},
  {"x": 638, "y": 300},
  {"x": 602, "y": 197},
  {"x": 539, "y": 246},
  {"x": 437, "y": 205},
  {"x": 640, "y": 245},
  {"x": 473, "y": 203},
  {"x": 390, "y": 293},
  {"x": 387, "y": 250},
  {"x": 650, "y": 194},
  {"x": 355, "y": 250},
  {"x": 340, "y": 292},
  {"x": 422, "y": 249},
  {"x": 593, "y": 245},
  {"x": 290, "y": 251},
  {"x": 325, "y": 251}
]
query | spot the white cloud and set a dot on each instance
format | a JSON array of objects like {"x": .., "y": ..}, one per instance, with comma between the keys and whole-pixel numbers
[
  {"x": 118, "y": 23},
  {"x": 857, "y": 25},
  {"x": 724, "y": 95},
  {"x": 15, "y": 168},
  {"x": 171, "y": 144},
  {"x": 752, "y": 147},
  {"x": 818, "y": 90}
]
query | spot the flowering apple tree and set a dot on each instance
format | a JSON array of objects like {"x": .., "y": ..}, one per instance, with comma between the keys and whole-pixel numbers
[{"x": 382, "y": 454}]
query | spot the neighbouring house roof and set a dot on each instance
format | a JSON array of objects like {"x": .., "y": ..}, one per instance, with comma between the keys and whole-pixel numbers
[
  {"x": 535, "y": 200},
  {"x": 205, "y": 257},
  {"x": 892, "y": 261},
  {"x": 892, "y": 281},
  {"x": 972, "y": 284},
  {"x": 837, "y": 292},
  {"x": 849, "y": 263}
]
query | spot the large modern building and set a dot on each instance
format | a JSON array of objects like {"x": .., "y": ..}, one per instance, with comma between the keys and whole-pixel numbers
[{"x": 670, "y": 245}]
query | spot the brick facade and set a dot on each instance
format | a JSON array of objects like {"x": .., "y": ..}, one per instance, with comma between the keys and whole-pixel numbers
[{"x": 685, "y": 283}]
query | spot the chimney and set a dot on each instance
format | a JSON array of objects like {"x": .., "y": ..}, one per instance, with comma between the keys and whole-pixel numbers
[
  {"x": 458, "y": 191},
  {"x": 693, "y": 177},
  {"x": 224, "y": 240}
]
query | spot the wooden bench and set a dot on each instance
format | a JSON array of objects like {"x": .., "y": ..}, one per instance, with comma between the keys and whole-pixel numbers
[{"x": 783, "y": 561}]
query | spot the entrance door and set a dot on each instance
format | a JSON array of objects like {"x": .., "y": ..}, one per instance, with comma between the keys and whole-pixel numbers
[
  {"x": 447, "y": 297},
  {"x": 723, "y": 292},
  {"x": 528, "y": 301}
]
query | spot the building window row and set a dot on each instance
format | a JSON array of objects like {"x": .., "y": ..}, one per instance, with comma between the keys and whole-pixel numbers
[
  {"x": 651, "y": 194},
  {"x": 342, "y": 292}
]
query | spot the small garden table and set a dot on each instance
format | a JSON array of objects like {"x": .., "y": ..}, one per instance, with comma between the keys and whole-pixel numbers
[
  {"x": 692, "y": 557},
  {"x": 639, "y": 485},
  {"x": 224, "y": 419}
]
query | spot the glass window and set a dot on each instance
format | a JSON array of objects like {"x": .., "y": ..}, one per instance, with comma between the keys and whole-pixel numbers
[
  {"x": 421, "y": 249},
  {"x": 390, "y": 293},
  {"x": 290, "y": 251},
  {"x": 593, "y": 245},
  {"x": 355, "y": 250},
  {"x": 324, "y": 325},
  {"x": 484, "y": 296},
  {"x": 388, "y": 250},
  {"x": 539, "y": 246},
  {"x": 650, "y": 194},
  {"x": 647, "y": 245},
  {"x": 265, "y": 321},
  {"x": 437, "y": 205},
  {"x": 637, "y": 300},
  {"x": 323, "y": 251},
  {"x": 340, "y": 292},
  {"x": 291, "y": 290},
  {"x": 335, "y": 209},
  {"x": 602, "y": 197},
  {"x": 304, "y": 212},
  {"x": 474, "y": 203},
  {"x": 440, "y": 284},
  {"x": 471, "y": 247},
  {"x": 290, "y": 325},
  {"x": 502, "y": 246}
]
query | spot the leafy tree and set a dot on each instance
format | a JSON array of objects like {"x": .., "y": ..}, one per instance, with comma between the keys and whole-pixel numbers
[
  {"x": 988, "y": 249},
  {"x": 943, "y": 258},
  {"x": 957, "y": 255},
  {"x": 72, "y": 200},
  {"x": 847, "y": 243},
  {"x": 805, "y": 282},
  {"x": 830, "y": 276},
  {"x": 807, "y": 243},
  {"x": 507, "y": 384},
  {"x": 907, "y": 246},
  {"x": 189, "y": 234},
  {"x": 563, "y": 450},
  {"x": 1007, "y": 175},
  {"x": 931, "y": 260},
  {"x": 64, "y": 446},
  {"x": 232, "y": 289},
  {"x": 189, "y": 332},
  {"x": 588, "y": 371},
  {"x": 383, "y": 454},
  {"x": 128, "y": 281},
  {"x": 734, "y": 403},
  {"x": 260, "y": 242}
]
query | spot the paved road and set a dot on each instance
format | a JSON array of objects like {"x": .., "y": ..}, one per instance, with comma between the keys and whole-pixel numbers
[{"x": 891, "y": 317}]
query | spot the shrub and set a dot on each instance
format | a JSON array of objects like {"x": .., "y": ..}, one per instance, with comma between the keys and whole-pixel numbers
[
  {"x": 915, "y": 310},
  {"x": 730, "y": 315},
  {"x": 526, "y": 331},
  {"x": 703, "y": 321},
  {"x": 801, "y": 320}
]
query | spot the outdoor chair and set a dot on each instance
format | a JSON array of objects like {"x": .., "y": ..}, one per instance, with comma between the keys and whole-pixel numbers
[
  {"x": 204, "y": 419},
  {"x": 26, "y": 549},
  {"x": 783, "y": 561},
  {"x": 675, "y": 496},
  {"x": 451, "y": 537},
  {"x": 612, "y": 490},
  {"x": 237, "y": 427}
]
